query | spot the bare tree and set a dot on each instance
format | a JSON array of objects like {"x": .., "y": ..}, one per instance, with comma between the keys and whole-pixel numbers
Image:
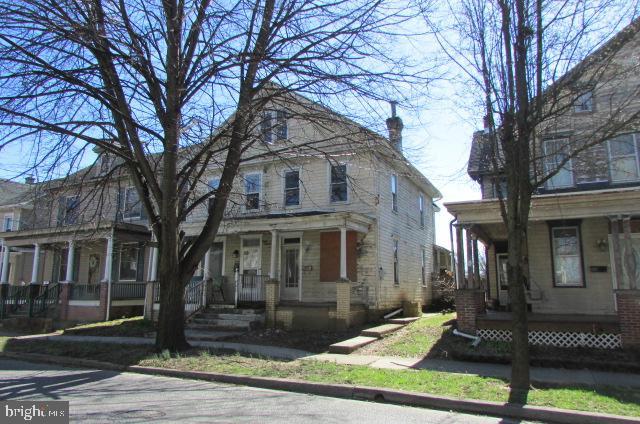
[
  {"x": 531, "y": 63},
  {"x": 171, "y": 88}
]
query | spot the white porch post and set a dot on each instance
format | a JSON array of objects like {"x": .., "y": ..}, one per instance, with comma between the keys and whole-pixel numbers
[
  {"x": 629, "y": 263},
  {"x": 343, "y": 253},
  {"x": 274, "y": 255},
  {"x": 206, "y": 272},
  {"x": 36, "y": 263},
  {"x": 108, "y": 262},
  {"x": 154, "y": 264},
  {"x": 6, "y": 253},
  {"x": 617, "y": 256},
  {"x": 70, "y": 259}
]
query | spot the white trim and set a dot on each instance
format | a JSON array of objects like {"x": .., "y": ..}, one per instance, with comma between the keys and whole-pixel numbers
[
  {"x": 394, "y": 191},
  {"x": 223, "y": 240},
  {"x": 84, "y": 303},
  {"x": 579, "y": 254},
  {"x": 421, "y": 210},
  {"x": 281, "y": 237}
]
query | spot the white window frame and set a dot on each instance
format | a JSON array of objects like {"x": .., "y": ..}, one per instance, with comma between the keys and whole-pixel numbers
[
  {"x": 568, "y": 167},
  {"x": 394, "y": 193},
  {"x": 284, "y": 188},
  {"x": 259, "y": 192},
  {"x": 396, "y": 261},
  {"x": 137, "y": 247},
  {"x": 330, "y": 183},
  {"x": 579, "y": 255},
  {"x": 10, "y": 217},
  {"x": 421, "y": 210},
  {"x": 126, "y": 215},
  {"x": 634, "y": 137},
  {"x": 273, "y": 136}
]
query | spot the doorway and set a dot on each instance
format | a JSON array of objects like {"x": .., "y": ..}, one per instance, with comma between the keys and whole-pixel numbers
[{"x": 291, "y": 268}]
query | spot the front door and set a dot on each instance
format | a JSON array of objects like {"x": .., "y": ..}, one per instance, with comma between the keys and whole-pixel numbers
[
  {"x": 291, "y": 268},
  {"x": 250, "y": 268},
  {"x": 503, "y": 284}
]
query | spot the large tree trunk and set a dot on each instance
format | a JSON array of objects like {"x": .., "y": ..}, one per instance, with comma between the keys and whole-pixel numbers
[{"x": 170, "y": 334}]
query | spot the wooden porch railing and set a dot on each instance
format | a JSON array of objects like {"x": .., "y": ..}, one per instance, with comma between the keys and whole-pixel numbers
[
  {"x": 127, "y": 290},
  {"x": 79, "y": 291}
]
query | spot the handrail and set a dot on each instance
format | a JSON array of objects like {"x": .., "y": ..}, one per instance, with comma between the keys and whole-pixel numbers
[{"x": 193, "y": 301}]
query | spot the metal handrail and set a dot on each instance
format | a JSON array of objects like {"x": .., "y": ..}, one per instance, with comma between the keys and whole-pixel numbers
[
  {"x": 193, "y": 301},
  {"x": 49, "y": 295}
]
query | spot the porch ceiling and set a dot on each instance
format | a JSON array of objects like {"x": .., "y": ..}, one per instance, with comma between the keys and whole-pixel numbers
[
  {"x": 321, "y": 221},
  {"x": 121, "y": 231},
  {"x": 586, "y": 204}
]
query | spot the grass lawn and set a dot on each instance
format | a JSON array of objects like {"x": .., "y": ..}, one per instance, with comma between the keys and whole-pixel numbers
[
  {"x": 614, "y": 400},
  {"x": 125, "y": 327}
]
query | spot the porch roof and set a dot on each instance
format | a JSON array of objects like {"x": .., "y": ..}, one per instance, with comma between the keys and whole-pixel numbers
[
  {"x": 88, "y": 231},
  {"x": 544, "y": 207},
  {"x": 301, "y": 221}
]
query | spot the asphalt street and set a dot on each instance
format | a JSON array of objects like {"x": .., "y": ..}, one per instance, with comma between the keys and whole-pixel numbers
[{"x": 107, "y": 396}]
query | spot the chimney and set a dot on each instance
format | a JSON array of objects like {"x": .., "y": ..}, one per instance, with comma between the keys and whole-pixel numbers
[
  {"x": 394, "y": 125},
  {"x": 29, "y": 179}
]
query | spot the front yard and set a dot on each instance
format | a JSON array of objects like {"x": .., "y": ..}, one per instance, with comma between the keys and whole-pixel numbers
[{"x": 606, "y": 399}]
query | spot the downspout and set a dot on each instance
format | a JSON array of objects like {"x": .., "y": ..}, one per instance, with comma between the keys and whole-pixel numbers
[
  {"x": 454, "y": 268},
  {"x": 110, "y": 279}
]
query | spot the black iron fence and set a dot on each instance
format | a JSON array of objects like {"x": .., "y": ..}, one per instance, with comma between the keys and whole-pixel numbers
[{"x": 47, "y": 298}]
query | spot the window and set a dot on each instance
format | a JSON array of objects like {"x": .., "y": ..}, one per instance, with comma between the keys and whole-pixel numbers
[
  {"x": 69, "y": 209},
  {"x": 8, "y": 222},
  {"x": 132, "y": 204},
  {"x": 555, "y": 153},
  {"x": 338, "y": 183},
  {"x": 421, "y": 209},
  {"x": 584, "y": 102},
  {"x": 567, "y": 257},
  {"x": 252, "y": 188},
  {"x": 624, "y": 158},
  {"x": 292, "y": 188},
  {"x": 499, "y": 187},
  {"x": 396, "y": 277},
  {"x": 394, "y": 193},
  {"x": 423, "y": 273},
  {"x": 274, "y": 126},
  {"x": 129, "y": 262}
]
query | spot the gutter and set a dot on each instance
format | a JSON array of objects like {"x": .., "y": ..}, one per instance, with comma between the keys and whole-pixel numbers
[{"x": 454, "y": 268}]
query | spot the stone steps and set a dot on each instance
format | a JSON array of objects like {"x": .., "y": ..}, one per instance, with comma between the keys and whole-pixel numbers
[
  {"x": 404, "y": 321},
  {"x": 381, "y": 330},
  {"x": 370, "y": 335},
  {"x": 217, "y": 319},
  {"x": 349, "y": 345}
]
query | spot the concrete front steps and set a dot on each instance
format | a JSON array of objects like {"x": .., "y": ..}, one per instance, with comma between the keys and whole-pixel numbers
[
  {"x": 370, "y": 335},
  {"x": 218, "y": 322}
]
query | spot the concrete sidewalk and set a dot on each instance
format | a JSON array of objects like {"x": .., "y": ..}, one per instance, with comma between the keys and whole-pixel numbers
[{"x": 538, "y": 374}]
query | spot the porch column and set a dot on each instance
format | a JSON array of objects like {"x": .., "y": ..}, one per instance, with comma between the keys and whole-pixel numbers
[
  {"x": 206, "y": 273},
  {"x": 617, "y": 256},
  {"x": 108, "y": 261},
  {"x": 36, "y": 263},
  {"x": 5, "y": 265},
  {"x": 628, "y": 254},
  {"x": 154, "y": 265},
  {"x": 343, "y": 253},
  {"x": 274, "y": 255},
  {"x": 70, "y": 261},
  {"x": 476, "y": 262},
  {"x": 460, "y": 259},
  {"x": 469, "y": 257}
]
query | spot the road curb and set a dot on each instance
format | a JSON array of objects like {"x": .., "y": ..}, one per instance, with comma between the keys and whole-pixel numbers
[{"x": 499, "y": 409}]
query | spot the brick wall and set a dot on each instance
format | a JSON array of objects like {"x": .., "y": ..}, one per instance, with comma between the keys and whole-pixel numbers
[
  {"x": 469, "y": 304},
  {"x": 629, "y": 314}
]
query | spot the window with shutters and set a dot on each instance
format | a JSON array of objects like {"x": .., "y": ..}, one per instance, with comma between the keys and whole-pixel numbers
[{"x": 273, "y": 127}]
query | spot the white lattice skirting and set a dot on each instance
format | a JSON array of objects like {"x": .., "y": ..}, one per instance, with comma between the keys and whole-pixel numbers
[{"x": 558, "y": 338}]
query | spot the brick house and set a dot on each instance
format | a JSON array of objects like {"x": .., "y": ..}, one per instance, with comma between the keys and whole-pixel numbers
[
  {"x": 584, "y": 229},
  {"x": 345, "y": 234}
]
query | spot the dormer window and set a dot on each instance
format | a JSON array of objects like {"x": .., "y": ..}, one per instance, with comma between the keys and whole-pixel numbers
[
  {"x": 274, "y": 126},
  {"x": 584, "y": 102}
]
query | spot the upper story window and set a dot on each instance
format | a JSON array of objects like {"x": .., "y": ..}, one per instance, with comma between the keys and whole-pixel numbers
[
  {"x": 292, "y": 188},
  {"x": 624, "y": 158},
  {"x": 68, "y": 210},
  {"x": 421, "y": 209},
  {"x": 339, "y": 183},
  {"x": 567, "y": 256},
  {"x": 556, "y": 159},
  {"x": 7, "y": 224},
  {"x": 394, "y": 193},
  {"x": 274, "y": 126},
  {"x": 584, "y": 102},
  {"x": 252, "y": 191},
  {"x": 132, "y": 204},
  {"x": 499, "y": 187},
  {"x": 396, "y": 263}
]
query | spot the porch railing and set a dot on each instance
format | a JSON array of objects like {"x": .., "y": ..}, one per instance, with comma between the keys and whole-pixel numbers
[
  {"x": 193, "y": 299},
  {"x": 250, "y": 287},
  {"x": 47, "y": 298},
  {"x": 215, "y": 289},
  {"x": 128, "y": 290},
  {"x": 84, "y": 291}
]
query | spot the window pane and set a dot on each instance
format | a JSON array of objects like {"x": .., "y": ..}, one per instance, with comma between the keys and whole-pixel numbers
[
  {"x": 214, "y": 183},
  {"x": 624, "y": 169},
  {"x": 132, "y": 206},
  {"x": 566, "y": 256},
  {"x": 252, "y": 183},
  {"x": 622, "y": 145},
  {"x": 292, "y": 197},
  {"x": 339, "y": 192},
  {"x": 568, "y": 270},
  {"x": 291, "y": 179},
  {"x": 253, "y": 201},
  {"x": 394, "y": 184},
  {"x": 281, "y": 128},
  {"x": 339, "y": 174},
  {"x": 555, "y": 154},
  {"x": 265, "y": 127},
  {"x": 129, "y": 262}
]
